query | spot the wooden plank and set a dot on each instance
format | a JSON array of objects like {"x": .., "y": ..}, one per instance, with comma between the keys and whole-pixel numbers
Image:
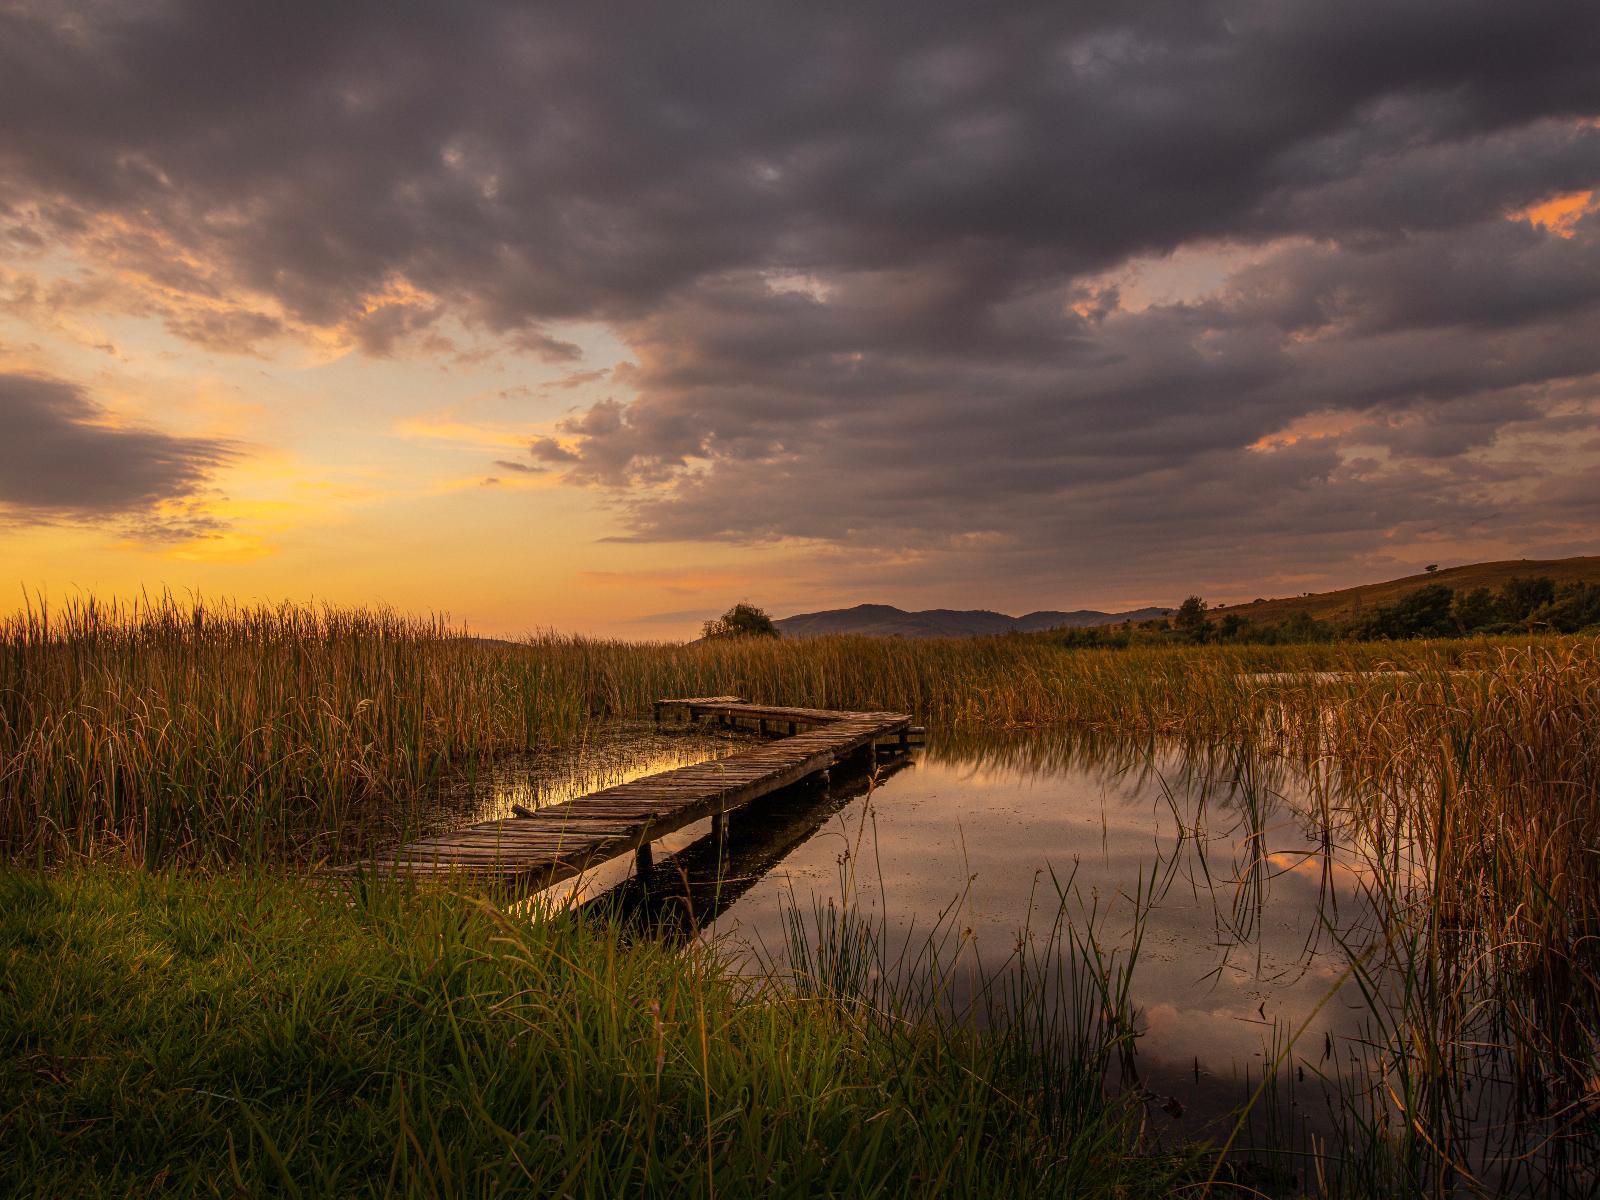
[{"x": 563, "y": 840}]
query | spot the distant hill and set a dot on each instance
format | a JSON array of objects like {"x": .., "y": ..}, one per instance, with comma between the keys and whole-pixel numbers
[
  {"x": 1347, "y": 602},
  {"x": 883, "y": 620}
]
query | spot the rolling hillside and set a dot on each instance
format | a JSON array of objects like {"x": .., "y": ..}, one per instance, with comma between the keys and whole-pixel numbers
[
  {"x": 884, "y": 620},
  {"x": 1346, "y": 602}
]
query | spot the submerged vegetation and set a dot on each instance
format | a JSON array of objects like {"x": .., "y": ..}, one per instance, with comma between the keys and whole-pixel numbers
[{"x": 1466, "y": 773}]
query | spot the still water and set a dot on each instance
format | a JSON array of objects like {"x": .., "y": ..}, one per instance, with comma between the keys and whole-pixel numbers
[
  {"x": 1218, "y": 863},
  {"x": 1225, "y": 888}
]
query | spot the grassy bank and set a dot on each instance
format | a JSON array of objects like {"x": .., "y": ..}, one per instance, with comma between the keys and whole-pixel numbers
[{"x": 211, "y": 1035}]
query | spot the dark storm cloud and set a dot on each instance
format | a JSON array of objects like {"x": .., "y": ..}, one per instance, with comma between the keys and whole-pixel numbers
[
  {"x": 867, "y": 265},
  {"x": 57, "y": 458}
]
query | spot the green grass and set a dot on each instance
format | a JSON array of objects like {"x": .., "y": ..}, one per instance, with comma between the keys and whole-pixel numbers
[{"x": 216, "y": 1035}]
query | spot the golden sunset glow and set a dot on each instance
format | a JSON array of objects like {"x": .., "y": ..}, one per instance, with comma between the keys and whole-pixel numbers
[
  {"x": 1310, "y": 428},
  {"x": 510, "y": 346},
  {"x": 755, "y": 600}
]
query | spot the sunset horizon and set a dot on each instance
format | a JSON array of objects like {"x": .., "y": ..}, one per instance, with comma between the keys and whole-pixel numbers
[
  {"x": 1062, "y": 310},
  {"x": 722, "y": 600}
]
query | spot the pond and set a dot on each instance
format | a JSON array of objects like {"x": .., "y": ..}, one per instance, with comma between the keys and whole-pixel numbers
[
  {"x": 976, "y": 840},
  {"x": 1213, "y": 882}
]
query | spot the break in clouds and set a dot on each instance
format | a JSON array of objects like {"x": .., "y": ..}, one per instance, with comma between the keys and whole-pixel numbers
[{"x": 1158, "y": 290}]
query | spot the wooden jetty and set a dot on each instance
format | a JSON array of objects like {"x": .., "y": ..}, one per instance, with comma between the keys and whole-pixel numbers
[
  {"x": 703, "y": 880},
  {"x": 536, "y": 849}
]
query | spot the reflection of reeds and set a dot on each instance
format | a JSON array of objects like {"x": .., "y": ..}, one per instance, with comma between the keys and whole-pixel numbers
[
  {"x": 1461, "y": 812},
  {"x": 1476, "y": 797},
  {"x": 1058, "y": 1010}
]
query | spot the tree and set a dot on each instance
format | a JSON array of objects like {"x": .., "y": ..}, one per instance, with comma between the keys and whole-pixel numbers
[
  {"x": 1576, "y": 607},
  {"x": 1475, "y": 610},
  {"x": 1425, "y": 612},
  {"x": 1231, "y": 627},
  {"x": 1300, "y": 626},
  {"x": 741, "y": 621},
  {"x": 1190, "y": 620},
  {"x": 1520, "y": 596}
]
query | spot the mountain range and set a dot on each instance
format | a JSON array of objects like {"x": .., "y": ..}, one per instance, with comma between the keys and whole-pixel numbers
[{"x": 884, "y": 620}]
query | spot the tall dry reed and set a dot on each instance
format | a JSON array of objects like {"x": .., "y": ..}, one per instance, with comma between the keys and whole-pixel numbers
[{"x": 190, "y": 730}]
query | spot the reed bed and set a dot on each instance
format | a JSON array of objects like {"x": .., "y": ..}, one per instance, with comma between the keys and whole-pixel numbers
[
  {"x": 1475, "y": 799},
  {"x": 186, "y": 731}
]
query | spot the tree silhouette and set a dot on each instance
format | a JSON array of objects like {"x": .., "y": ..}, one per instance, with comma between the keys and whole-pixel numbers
[
  {"x": 1190, "y": 619},
  {"x": 741, "y": 621}
]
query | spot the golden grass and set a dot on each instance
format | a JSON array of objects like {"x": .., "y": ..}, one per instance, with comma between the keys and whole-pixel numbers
[{"x": 168, "y": 730}]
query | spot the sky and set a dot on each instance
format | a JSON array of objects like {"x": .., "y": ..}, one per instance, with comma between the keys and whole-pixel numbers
[{"x": 602, "y": 317}]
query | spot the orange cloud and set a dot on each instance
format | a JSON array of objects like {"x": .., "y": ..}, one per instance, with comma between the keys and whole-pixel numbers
[
  {"x": 445, "y": 427},
  {"x": 1559, "y": 214},
  {"x": 1312, "y": 427}
]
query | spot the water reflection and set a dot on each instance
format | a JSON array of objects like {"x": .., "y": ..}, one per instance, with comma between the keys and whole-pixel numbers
[
  {"x": 607, "y": 755},
  {"x": 1249, "y": 902},
  {"x": 684, "y": 895},
  {"x": 972, "y": 835},
  {"x": 1208, "y": 856}
]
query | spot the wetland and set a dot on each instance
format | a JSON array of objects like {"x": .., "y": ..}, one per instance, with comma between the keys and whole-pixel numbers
[{"x": 1295, "y": 920}]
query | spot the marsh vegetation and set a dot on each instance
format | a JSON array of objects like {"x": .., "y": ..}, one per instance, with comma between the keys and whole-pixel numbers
[{"x": 169, "y": 774}]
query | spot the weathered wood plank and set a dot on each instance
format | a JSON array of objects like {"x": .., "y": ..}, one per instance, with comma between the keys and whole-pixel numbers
[{"x": 562, "y": 840}]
